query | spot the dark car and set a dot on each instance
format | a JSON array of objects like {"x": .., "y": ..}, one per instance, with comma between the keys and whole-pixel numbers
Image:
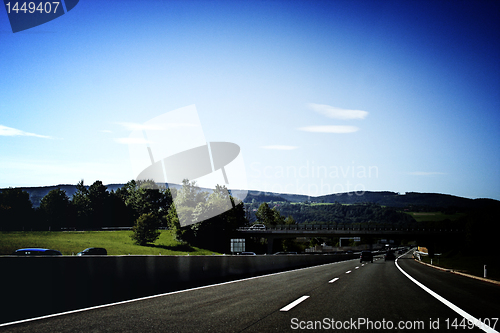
[
  {"x": 389, "y": 256},
  {"x": 366, "y": 256},
  {"x": 37, "y": 252},
  {"x": 93, "y": 251}
]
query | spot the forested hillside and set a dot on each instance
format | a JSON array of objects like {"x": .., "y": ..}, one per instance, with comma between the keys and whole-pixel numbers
[
  {"x": 390, "y": 199},
  {"x": 337, "y": 213}
]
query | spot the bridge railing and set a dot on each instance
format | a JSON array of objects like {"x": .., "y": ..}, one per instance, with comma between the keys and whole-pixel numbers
[{"x": 324, "y": 227}]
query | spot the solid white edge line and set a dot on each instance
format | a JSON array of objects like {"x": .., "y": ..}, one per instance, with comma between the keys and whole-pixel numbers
[
  {"x": 333, "y": 280},
  {"x": 294, "y": 303},
  {"x": 452, "y": 306},
  {"x": 160, "y": 295}
]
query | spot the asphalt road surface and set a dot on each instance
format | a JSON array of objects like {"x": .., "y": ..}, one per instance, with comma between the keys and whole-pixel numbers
[{"x": 341, "y": 297}]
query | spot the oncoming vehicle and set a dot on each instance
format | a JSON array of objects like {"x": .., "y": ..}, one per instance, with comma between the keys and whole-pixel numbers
[
  {"x": 37, "y": 252},
  {"x": 389, "y": 256},
  {"x": 366, "y": 256},
  {"x": 93, "y": 251}
]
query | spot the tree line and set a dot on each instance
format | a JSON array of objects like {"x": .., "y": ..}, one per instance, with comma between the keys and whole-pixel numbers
[
  {"x": 335, "y": 213},
  {"x": 143, "y": 205},
  {"x": 89, "y": 208}
]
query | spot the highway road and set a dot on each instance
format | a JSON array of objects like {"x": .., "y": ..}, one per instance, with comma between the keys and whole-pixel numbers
[{"x": 342, "y": 297}]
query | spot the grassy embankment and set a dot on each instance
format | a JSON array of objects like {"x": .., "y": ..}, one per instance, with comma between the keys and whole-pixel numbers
[
  {"x": 115, "y": 242},
  {"x": 435, "y": 216},
  {"x": 469, "y": 264},
  {"x": 456, "y": 259}
]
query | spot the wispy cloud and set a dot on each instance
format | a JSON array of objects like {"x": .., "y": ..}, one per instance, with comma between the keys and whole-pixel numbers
[
  {"x": 9, "y": 131},
  {"x": 337, "y": 113},
  {"x": 330, "y": 129},
  {"x": 155, "y": 127},
  {"x": 425, "y": 173},
  {"x": 140, "y": 127},
  {"x": 280, "y": 147},
  {"x": 129, "y": 141}
]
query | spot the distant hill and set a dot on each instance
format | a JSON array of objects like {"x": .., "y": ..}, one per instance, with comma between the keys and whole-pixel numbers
[
  {"x": 383, "y": 198},
  {"x": 393, "y": 199},
  {"x": 266, "y": 197}
]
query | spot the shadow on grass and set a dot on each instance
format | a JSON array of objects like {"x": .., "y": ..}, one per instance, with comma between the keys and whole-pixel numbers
[{"x": 178, "y": 247}]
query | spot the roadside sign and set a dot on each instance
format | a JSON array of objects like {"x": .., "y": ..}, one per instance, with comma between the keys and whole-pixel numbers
[{"x": 237, "y": 245}]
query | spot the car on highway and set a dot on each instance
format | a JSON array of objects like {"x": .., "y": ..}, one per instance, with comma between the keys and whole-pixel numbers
[
  {"x": 366, "y": 256},
  {"x": 389, "y": 255},
  {"x": 93, "y": 251},
  {"x": 36, "y": 252},
  {"x": 258, "y": 227}
]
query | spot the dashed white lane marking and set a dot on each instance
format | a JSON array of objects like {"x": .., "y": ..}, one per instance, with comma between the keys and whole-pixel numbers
[
  {"x": 333, "y": 280},
  {"x": 452, "y": 306},
  {"x": 348, "y": 272},
  {"x": 294, "y": 303},
  {"x": 356, "y": 267}
]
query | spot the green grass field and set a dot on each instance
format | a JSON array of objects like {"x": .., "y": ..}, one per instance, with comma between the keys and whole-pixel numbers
[
  {"x": 115, "y": 242},
  {"x": 435, "y": 216}
]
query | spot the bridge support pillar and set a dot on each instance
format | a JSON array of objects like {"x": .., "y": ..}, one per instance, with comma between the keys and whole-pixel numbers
[{"x": 270, "y": 241}]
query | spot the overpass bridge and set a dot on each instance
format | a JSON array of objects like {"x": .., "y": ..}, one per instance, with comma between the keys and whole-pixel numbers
[{"x": 326, "y": 231}]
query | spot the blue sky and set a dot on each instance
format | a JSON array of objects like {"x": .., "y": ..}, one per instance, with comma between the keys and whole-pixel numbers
[{"x": 322, "y": 97}]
